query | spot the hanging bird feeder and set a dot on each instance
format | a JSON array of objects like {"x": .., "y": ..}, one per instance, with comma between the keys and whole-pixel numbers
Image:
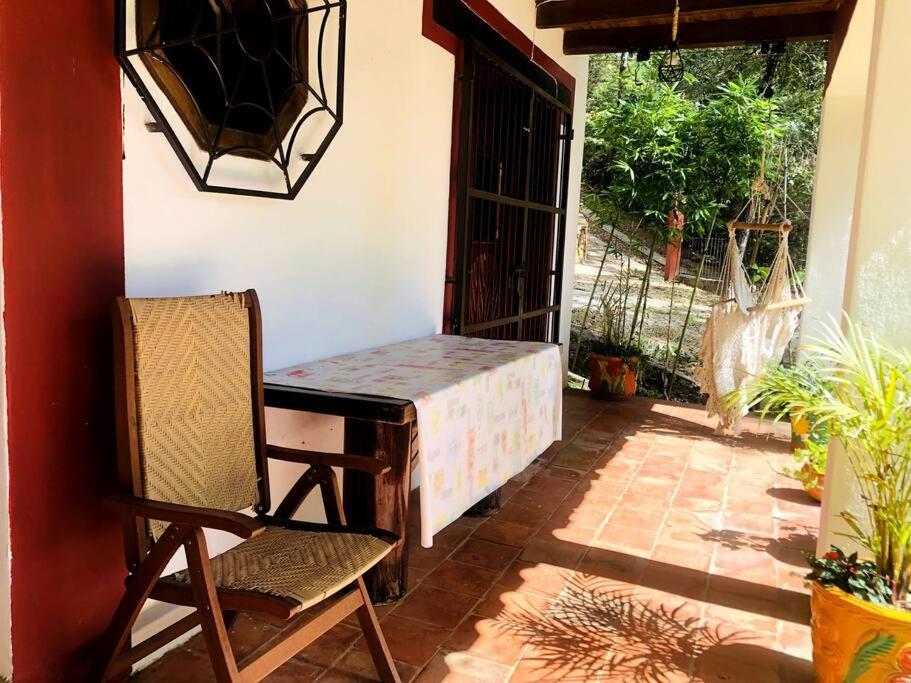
[{"x": 671, "y": 69}]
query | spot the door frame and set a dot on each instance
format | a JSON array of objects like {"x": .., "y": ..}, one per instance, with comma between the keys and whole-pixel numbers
[
  {"x": 434, "y": 31},
  {"x": 459, "y": 241}
]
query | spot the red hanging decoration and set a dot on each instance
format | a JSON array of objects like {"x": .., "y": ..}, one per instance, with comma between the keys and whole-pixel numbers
[{"x": 675, "y": 221}]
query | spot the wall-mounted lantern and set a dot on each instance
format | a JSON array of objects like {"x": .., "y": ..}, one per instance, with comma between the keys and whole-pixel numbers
[{"x": 249, "y": 93}]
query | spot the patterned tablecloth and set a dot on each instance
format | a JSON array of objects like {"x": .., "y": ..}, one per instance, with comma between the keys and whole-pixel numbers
[{"x": 486, "y": 409}]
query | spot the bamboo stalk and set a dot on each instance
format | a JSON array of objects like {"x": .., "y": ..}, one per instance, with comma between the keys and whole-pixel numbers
[
  {"x": 689, "y": 310},
  {"x": 591, "y": 297},
  {"x": 651, "y": 253}
]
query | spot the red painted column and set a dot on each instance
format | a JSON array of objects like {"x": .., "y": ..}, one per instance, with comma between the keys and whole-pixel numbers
[{"x": 62, "y": 231}]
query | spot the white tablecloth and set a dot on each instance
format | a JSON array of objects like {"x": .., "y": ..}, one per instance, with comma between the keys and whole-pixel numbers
[{"x": 486, "y": 409}]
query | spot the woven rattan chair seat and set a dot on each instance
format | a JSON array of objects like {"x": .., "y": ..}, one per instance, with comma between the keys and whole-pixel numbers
[{"x": 302, "y": 565}]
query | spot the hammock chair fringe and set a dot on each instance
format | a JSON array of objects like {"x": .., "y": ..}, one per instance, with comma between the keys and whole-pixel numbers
[{"x": 748, "y": 328}]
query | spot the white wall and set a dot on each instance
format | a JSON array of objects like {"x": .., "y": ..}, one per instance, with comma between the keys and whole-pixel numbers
[
  {"x": 878, "y": 266},
  {"x": 358, "y": 259},
  {"x": 834, "y": 189}
]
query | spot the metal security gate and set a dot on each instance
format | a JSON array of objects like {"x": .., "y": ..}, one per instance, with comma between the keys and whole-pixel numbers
[{"x": 511, "y": 218}]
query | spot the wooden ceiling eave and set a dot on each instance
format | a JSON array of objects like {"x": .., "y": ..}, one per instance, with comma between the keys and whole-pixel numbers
[{"x": 593, "y": 26}]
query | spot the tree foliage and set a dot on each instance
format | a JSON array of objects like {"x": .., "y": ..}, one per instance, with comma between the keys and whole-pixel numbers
[{"x": 701, "y": 141}]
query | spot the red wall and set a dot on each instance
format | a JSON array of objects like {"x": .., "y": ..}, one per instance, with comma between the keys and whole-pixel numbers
[{"x": 60, "y": 192}]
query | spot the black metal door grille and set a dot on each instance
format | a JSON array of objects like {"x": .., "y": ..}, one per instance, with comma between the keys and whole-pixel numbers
[{"x": 512, "y": 221}]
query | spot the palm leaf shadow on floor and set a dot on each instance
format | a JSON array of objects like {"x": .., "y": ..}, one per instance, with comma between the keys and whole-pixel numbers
[{"x": 594, "y": 627}]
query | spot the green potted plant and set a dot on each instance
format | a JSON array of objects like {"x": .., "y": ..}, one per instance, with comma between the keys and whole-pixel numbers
[
  {"x": 810, "y": 466},
  {"x": 614, "y": 359},
  {"x": 773, "y": 394},
  {"x": 861, "y": 613}
]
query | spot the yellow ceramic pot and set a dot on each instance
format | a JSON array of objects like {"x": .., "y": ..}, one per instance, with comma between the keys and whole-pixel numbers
[
  {"x": 800, "y": 430},
  {"x": 857, "y": 642}
]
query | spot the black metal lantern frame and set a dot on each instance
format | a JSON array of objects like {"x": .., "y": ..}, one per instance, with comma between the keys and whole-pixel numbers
[
  {"x": 249, "y": 93},
  {"x": 671, "y": 69}
]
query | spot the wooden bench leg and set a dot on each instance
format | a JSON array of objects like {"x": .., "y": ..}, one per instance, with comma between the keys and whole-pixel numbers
[
  {"x": 382, "y": 501},
  {"x": 487, "y": 506}
]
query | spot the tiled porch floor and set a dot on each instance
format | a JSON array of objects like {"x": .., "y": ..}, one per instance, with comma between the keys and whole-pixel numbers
[{"x": 641, "y": 548}]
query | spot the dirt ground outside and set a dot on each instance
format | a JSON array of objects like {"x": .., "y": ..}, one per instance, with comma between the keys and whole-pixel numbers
[{"x": 664, "y": 314}]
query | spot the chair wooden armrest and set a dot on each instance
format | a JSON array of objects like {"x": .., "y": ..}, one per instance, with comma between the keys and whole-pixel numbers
[
  {"x": 348, "y": 462},
  {"x": 188, "y": 515}
]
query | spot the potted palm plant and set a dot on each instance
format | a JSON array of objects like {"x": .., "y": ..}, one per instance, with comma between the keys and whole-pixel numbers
[
  {"x": 772, "y": 393},
  {"x": 861, "y": 612},
  {"x": 614, "y": 359}
]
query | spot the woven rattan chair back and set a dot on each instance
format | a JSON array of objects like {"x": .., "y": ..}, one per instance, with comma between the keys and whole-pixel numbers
[{"x": 194, "y": 406}]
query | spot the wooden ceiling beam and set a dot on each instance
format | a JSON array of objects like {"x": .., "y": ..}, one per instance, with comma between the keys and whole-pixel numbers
[
  {"x": 817, "y": 26},
  {"x": 598, "y": 14}
]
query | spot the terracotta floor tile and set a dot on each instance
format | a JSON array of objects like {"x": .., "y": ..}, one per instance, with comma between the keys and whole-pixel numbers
[
  {"x": 626, "y": 538},
  {"x": 634, "y": 518},
  {"x": 462, "y": 578},
  {"x": 519, "y": 514},
  {"x": 541, "y": 578},
  {"x": 485, "y": 554},
  {"x": 682, "y": 558},
  {"x": 427, "y": 558},
  {"x": 451, "y": 536},
  {"x": 553, "y": 551},
  {"x": 491, "y": 639},
  {"x": 558, "y": 485},
  {"x": 696, "y": 504},
  {"x": 465, "y": 520},
  {"x": 642, "y": 548},
  {"x": 539, "y": 498},
  {"x": 458, "y": 667},
  {"x": 765, "y": 506},
  {"x": 556, "y": 472},
  {"x": 738, "y": 662},
  {"x": 612, "y": 564},
  {"x": 742, "y": 521},
  {"x": 550, "y": 666},
  {"x": 330, "y": 646},
  {"x": 410, "y": 641},
  {"x": 746, "y": 559},
  {"x": 504, "y": 533},
  {"x": 435, "y": 606},
  {"x": 682, "y": 581},
  {"x": 513, "y": 607},
  {"x": 571, "y": 533},
  {"x": 357, "y": 667}
]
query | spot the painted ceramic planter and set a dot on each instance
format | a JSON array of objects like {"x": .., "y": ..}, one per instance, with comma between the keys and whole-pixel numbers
[
  {"x": 814, "y": 491},
  {"x": 800, "y": 431},
  {"x": 612, "y": 376},
  {"x": 857, "y": 642}
]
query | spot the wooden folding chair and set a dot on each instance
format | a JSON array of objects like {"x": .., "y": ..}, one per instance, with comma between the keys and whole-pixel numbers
[{"x": 192, "y": 454}]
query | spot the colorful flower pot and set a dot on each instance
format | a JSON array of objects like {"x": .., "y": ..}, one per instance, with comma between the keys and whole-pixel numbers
[
  {"x": 858, "y": 642},
  {"x": 800, "y": 431},
  {"x": 814, "y": 491},
  {"x": 612, "y": 376}
]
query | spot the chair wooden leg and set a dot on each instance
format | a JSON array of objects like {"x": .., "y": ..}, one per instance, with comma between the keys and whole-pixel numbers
[
  {"x": 376, "y": 642},
  {"x": 213, "y": 625},
  {"x": 332, "y": 497},
  {"x": 117, "y": 635},
  {"x": 317, "y": 475},
  {"x": 299, "y": 491}
]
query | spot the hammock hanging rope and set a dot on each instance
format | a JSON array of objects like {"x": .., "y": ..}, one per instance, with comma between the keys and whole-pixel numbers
[{"x": 748, "y": 328}]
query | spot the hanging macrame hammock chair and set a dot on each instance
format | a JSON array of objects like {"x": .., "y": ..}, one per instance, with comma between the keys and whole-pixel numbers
[{"x": 750, "y": 326}]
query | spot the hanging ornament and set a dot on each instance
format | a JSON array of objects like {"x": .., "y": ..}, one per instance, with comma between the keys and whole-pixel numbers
[
  {"x": 671, "y": 69},
  {"x": 674, "y": 246}
]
